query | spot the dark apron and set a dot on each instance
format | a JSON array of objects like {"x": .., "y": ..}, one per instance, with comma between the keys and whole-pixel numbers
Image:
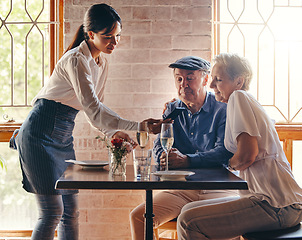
[{"x": 44, "y": 142}]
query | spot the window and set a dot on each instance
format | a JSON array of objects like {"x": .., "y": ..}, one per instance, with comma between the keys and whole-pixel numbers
[
  {"x": 267, "y": 34},
  {"x": 31, "y": 43},
  {"x": 17, "y": 208},
  {"x": 28, "y": 33}
]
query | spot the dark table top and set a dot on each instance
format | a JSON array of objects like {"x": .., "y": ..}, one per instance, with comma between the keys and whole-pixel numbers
[{"x": 94, "y": 178}]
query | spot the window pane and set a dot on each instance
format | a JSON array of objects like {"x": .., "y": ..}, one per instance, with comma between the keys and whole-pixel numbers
[
  {"x": 24, "y": 67},
  {"x": 18, "y": 208},
  {"x": 24, "y": 52},
  {"x": 266, "y": 32}
]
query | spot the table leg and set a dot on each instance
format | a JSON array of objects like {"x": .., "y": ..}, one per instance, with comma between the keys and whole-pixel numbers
[{"x": 149, "y": 216}]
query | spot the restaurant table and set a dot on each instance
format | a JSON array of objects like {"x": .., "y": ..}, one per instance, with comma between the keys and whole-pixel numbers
[{"x": 206, "y": 178}]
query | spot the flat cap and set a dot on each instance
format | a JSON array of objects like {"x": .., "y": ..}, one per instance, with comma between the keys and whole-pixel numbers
[{"x": 191, "y": 63}]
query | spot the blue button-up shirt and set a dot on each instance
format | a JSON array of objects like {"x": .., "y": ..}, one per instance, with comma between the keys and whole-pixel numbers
[{"x": 200, "y": 136}]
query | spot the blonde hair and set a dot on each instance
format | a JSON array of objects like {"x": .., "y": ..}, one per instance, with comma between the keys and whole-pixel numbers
[{"x": 236, "y": 66}]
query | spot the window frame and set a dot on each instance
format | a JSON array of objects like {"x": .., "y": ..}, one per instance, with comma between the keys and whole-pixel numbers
[
  {"x": 216, "y": 31},
  {"x": 56, "y": 50},
  {"x": 287, "y": 132}
]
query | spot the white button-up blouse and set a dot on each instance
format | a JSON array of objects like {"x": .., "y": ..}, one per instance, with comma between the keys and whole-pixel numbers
[
  {"x": 77, "y": 81},
  {"x": 269, "y": 177}
]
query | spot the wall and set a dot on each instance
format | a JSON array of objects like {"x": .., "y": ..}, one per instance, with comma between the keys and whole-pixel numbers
[{"x": 155, "y": 33}]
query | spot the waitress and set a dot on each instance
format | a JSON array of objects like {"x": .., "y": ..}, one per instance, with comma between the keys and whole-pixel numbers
[{"x": 45, "y": 138}]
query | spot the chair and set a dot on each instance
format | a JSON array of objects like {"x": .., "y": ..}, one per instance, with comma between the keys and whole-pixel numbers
[
  {"x": 282, "y": 234},
  {"x": 168, "y": 227}
]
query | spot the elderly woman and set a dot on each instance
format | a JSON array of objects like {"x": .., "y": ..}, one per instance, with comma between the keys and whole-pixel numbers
[{"x": 274, "y": 199}]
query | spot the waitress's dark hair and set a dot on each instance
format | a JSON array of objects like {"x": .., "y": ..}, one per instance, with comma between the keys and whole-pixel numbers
[{"x": 97, "y": 18}]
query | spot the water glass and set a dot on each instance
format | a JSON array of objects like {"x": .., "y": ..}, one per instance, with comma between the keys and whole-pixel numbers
[{"x": 142, "y": 163}]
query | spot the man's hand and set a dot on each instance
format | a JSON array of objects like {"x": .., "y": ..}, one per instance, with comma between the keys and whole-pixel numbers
[
  {"x": 154, "y": 125},
  {"x": 176, "y": 159}
]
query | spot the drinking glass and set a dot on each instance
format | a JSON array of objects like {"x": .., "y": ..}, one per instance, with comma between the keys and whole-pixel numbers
[
  {"x": 166, "y": 139},
  {"x": 142, "y": 163},
  {"x": 142, "y": 134}
]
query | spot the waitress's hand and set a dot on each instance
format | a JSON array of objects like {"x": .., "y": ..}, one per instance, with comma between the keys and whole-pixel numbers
[
  {"x": 126, "y": 137},
  {"x": 154, "y": 125}
]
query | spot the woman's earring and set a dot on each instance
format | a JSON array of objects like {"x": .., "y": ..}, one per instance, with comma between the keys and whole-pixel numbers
[{"x": 90, "y": 34}]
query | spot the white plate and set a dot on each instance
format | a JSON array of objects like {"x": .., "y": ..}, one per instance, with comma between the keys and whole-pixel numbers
[
  {"x": 173, "y": 175},
  {"x": 89, "y": 163}
]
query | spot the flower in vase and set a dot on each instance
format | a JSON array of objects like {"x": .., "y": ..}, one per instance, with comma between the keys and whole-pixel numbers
[{"x": 118, "y": 149}]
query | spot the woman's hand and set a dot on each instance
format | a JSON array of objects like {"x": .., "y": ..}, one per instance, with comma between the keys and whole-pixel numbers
[
  {"x": 127, "y": 138},
  {"x": 154, "y": 125}
]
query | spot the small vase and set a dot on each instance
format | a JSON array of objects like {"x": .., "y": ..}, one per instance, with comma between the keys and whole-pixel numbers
[{"x": 117, "y": 166}]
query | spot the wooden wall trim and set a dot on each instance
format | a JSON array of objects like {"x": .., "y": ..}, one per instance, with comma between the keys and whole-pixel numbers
[
  {"x": 293, "y": 132},
  {"x": 7, "y": 129},
  {"x": 18, "y": 233}
]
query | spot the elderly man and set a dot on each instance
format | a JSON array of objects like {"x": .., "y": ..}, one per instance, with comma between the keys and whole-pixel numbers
[{"x": 198, "y": 141}]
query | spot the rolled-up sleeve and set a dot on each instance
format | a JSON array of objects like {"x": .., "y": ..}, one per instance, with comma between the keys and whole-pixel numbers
[{"x": 100, "y": 116}]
